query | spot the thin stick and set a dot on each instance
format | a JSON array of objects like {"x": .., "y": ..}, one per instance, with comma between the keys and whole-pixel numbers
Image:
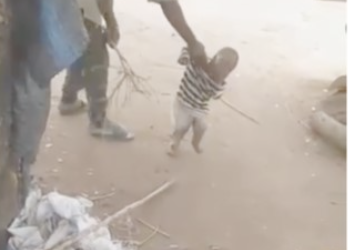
[
  {"x": 72, "y": 240},
  {"x": 239, "y": 112},
  {"x": 304, "y": 124},
  {"x": 132, "y": 242},
  {"x": 153, "y": 234},
  {"x": 102, "y": 197},
  {"x": 153, "y": 228}
]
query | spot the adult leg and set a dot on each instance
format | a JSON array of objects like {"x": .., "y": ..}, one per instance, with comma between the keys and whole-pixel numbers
[
  {"x": 96, "y": 80},
  {"x": 96, "y": 63},
  {"x": 24, "y": 108},
  {"x": 74, "y": 82},
  {"x": 31, "y": 105},
  {"x": 182, "y": 120}
]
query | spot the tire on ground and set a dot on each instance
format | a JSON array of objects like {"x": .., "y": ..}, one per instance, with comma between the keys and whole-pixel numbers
[{"x": 330, "y": 119}]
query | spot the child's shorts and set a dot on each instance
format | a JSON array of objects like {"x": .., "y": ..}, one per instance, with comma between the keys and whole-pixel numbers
[{"x": 183, "y": 117}]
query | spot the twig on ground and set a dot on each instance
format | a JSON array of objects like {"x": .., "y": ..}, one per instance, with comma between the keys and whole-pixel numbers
[
  {"x": 304, "y": 124},
  {"x": 153, "y": 228},
  {"x": 131, "y": 243},
  {"x": 72, "y": 240},
  {"x": 102, "y": 197},
  {"x": 127, "y": 242},
  {"x": 248, "y": 117},
  {"x": 153, "y": 234}
]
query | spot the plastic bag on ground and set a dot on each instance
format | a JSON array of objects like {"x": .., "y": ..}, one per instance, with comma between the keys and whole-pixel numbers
[{"x": 48, "y": 220}]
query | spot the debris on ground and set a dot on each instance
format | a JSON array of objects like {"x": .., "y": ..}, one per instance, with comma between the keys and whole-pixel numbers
[
  {"x": 48, "y": 220},
  {"x": 55, "y": 221}
]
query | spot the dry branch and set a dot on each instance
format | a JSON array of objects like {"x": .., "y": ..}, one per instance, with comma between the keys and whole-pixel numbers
[
  {"x": 129, "y": 79},
  {"x": 72, "y": 240},
  {"x": 102, "y": 197},
  {"x": 153, "y": 234},
  {"x": 153, "y": 228}
]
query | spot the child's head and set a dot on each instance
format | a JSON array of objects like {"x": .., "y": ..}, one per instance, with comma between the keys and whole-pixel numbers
[{"x": 223, "y": 63}]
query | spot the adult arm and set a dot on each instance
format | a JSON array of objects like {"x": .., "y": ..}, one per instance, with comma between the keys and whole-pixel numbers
[
  {"x": 106, "y": 9},
  {"x": 175, "y": 16}
]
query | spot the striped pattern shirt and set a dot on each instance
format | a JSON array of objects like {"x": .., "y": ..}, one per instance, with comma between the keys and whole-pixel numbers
[{"x": 197, "y": 88}]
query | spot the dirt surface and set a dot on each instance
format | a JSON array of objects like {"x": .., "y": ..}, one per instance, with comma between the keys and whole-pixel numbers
[{"x": 273, "y": 186}]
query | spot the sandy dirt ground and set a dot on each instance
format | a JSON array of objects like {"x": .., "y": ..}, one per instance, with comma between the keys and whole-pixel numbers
[{"x": 268, "y": 187}]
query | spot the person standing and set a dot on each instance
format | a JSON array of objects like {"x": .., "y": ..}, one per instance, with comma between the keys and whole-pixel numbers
[
  {"x": 38, "y": 39},
  {"x": 91, "y": 70}
]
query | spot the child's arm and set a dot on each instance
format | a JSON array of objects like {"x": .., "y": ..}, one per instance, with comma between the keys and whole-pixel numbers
[{"x": 184, "y": 58}]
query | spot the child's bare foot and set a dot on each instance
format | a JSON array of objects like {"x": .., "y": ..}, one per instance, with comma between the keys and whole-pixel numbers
[{"x": 197, "y": 148}]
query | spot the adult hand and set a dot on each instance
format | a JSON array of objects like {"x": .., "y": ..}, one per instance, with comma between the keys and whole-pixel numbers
[
  {"x": 197, "y": 53},
  {"x": 112, "y": 36}
]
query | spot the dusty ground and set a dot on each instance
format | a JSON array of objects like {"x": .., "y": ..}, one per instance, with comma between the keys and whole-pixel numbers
[{"x": 272, "y": 186}]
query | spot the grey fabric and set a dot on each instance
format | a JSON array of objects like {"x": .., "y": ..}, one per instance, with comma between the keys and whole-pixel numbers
[
  {"x": 90, "y": 72},
  {"x": 56, "y": 39},
  {"x": 5, "y": 83},
  {"x": 8, "y": 188},
  {"x": 30, "y": 113},
  {"x": 24, "y": 114},
  {"x": 46, "y": 37}
]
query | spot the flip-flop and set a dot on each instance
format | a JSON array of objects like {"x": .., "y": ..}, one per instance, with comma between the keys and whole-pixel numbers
[{"x": 114, "y": 132}]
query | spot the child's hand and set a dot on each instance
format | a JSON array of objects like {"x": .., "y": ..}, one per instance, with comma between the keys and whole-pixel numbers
[
  {"x": 183, "y": 61},
  {"x": 184, "y": 58}
]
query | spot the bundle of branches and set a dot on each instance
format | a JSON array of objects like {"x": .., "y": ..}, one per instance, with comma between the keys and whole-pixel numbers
[{"x": 129, "y": 81}]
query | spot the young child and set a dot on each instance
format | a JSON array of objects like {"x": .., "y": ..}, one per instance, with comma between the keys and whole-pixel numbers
[{"x": 197, "y": 88}]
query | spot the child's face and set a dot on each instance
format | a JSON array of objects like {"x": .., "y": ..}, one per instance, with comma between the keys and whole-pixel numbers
[{"x": 220, "y": 67}]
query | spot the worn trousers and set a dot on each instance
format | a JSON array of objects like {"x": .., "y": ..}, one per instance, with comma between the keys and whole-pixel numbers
[
  {"x": 90, "y": 72},
  {"x": 24, "y": 109}
]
